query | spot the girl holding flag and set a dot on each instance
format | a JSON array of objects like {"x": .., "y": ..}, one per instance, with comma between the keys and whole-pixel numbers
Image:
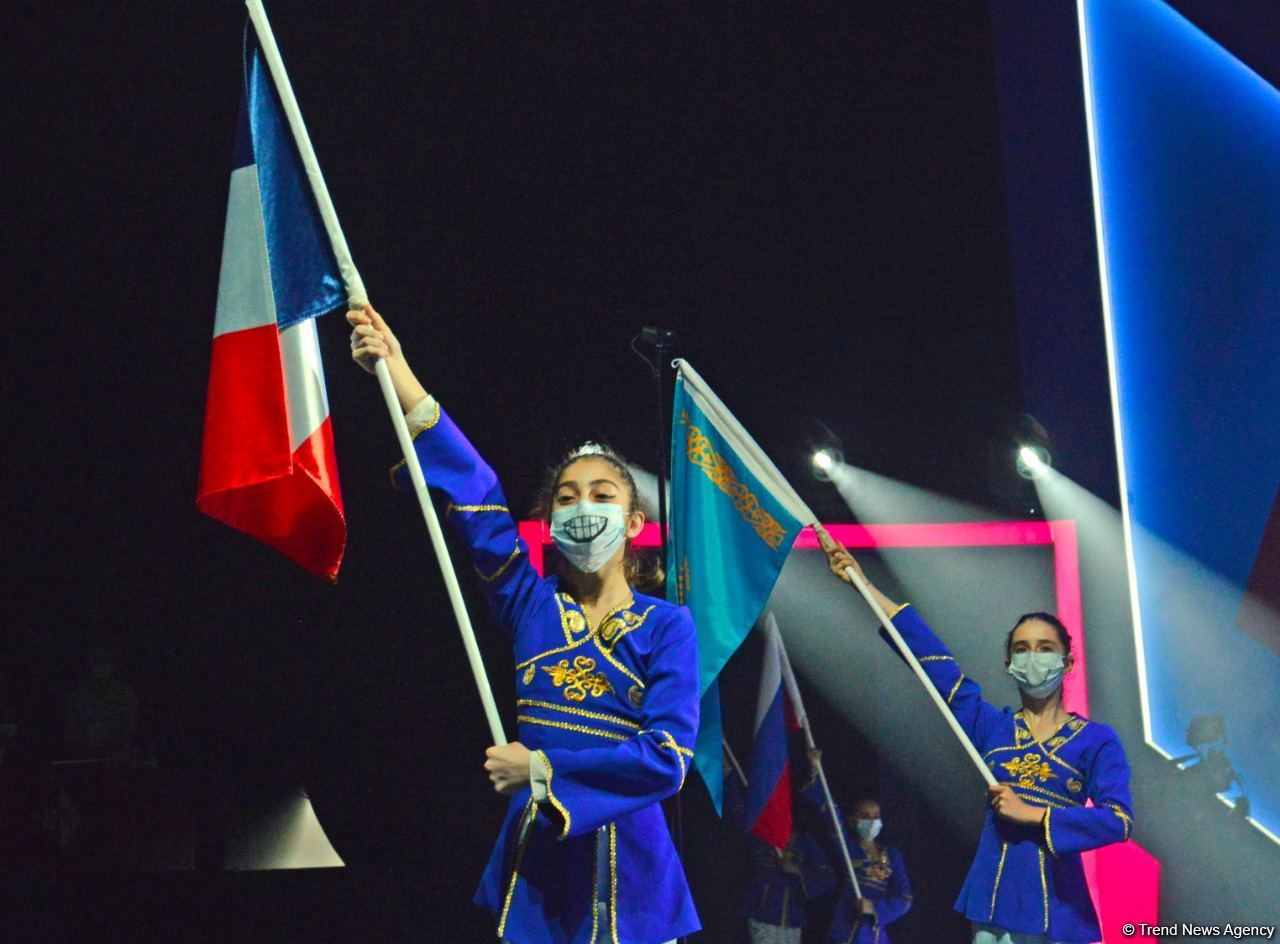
[
  {"x": 1026, "y": 884},
  {"x": 606, "y": 682}
]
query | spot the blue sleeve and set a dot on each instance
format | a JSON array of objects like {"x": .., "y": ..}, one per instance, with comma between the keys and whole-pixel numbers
[
  {"x": 897, "y": 899},
  {"x": 594, "y": 786},
  {"x": 979, "y": 718},
  {"x": 816, "y": 877},
  {"x": 478, "y": 512},
  {"x": 1109, "y": 820}
]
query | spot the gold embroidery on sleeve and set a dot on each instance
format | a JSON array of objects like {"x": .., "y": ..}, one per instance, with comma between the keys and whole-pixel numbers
[
  {"x": 1124, "y": 817},
  {"x": 552, "y": 797},
  {"x": 670, "y": 742},
  {"x": 501, "y": 570},
  {"x": 474, "y": 508}
]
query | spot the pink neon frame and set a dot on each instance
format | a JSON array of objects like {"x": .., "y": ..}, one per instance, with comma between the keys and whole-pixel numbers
[{"x": 1123, "y": 878}]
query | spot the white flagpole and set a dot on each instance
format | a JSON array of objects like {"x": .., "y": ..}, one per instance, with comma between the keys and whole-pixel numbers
[
  {"x": 828, "y": 543},
  {"x": 357, "y": 297},
  {"x": 733, "y": 761},
  {"x": 793, "y": 692}
]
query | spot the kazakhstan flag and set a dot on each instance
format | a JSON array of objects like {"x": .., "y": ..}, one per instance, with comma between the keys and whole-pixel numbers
[{"x": 733, "y": 521}]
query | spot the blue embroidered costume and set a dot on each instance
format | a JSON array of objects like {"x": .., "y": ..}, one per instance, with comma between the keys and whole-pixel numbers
[
  {"x": 1030, "y": 879},
  {"x": 882, "y": 880},
  {"x": 610, "y": 712},
  {"x": 777, "y": 897}
]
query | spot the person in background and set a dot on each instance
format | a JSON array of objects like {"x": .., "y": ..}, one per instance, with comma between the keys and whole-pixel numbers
[
  {"x": 881, "y": 874},
  {"x": 783, "y": 882},
  {"x": 1026, "y": 884},
  {"x": 102, "y": 713}
]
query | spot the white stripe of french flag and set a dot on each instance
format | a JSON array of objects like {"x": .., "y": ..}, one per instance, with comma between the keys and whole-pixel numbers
[{"x": 268, "y": 466}]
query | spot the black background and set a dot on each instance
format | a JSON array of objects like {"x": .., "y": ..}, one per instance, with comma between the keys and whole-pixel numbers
[{"x": 811, "y": 197}]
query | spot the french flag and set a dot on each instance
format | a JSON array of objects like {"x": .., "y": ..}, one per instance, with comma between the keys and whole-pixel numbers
[
  {"x": 268, "y": 466},
  {"x": 769, "y": 773}
]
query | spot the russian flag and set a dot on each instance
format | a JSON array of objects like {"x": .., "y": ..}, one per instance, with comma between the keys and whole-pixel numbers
[
  {"x": 769, "y": 773},
  {"x": 268, "y": 466}
]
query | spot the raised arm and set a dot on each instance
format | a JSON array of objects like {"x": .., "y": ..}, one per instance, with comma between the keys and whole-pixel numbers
[
  {"x": 963, "y": 696},
  {"x": 477, "y": 508}
]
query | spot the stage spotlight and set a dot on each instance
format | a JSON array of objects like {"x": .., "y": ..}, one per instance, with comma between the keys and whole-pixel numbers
[
  {"x": 824, "y": 447},
  {"x": 824, "y": 460},
  {"x": 1033, "y": 461}
]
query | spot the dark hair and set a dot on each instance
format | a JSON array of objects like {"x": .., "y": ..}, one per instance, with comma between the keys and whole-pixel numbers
[
  {"x": 642, "y": 571},
  {"x": 1063, "y": 636}
]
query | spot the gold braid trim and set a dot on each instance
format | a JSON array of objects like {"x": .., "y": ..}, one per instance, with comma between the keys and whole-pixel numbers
[
  {"x": 595, "y": 888},
  {"x": 1064, "y": 802},
  {"x": 616, "y": 664},
  {"x": 552, "y": 797},
  {"x": 515, "y": 868},
  {"x": 1004, "y": 847},
  {"x": 936, "y": 659},
  {"x": 1124, "y": 817},
  {"x": 1048, "y": 839},
  {"x": 1044, "y": 889},
  {"x": 955, "y": 688},
  {"x": 613, "y": 882},
  {"x": 898, "y": 609},
  {"x": 429, "y": 422},
  {"x": 567, "y": 726},
  {"x": 552, "y": 652},
  {"x": 501, "y": 570},
  {"x": 669, "y": 741},
  {"x": 580, "y": 712},
  {"x": 474, "y": 508}
]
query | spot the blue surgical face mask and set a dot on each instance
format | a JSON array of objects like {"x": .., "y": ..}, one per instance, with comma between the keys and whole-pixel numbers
[
  {"x": 868, "y": 829},
  {"x": 1038, "y": 673},
  {"x": 588, "y": 533}
]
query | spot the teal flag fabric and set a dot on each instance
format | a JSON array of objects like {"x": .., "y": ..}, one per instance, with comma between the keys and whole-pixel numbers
[{"x": 734, "y": 519}]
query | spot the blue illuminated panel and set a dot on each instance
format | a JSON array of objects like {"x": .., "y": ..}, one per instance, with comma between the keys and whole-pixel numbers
[{"x": 1186, "y": 149}]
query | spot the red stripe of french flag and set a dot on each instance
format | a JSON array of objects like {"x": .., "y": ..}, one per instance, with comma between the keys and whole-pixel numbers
[{"x": 268, "y": 466}]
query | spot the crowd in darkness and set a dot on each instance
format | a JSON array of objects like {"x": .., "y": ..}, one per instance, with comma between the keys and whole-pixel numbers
[{"x": 81, "y": 794}]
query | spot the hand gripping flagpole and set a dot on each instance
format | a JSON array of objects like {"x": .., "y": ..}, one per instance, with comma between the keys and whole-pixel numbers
[
  {"x": 828, "y": 544},
  {"x": 793, "y": 692},
  {"x": 357, "y": 297}
]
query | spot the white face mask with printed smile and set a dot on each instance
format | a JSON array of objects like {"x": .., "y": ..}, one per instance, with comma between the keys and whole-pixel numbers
[{"x": 588, "y": 533}]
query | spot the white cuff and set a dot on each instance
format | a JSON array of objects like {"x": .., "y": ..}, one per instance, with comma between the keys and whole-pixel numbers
[
  {"x": 538, "y": 777},
  {"x": 421, "y": 414}
]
